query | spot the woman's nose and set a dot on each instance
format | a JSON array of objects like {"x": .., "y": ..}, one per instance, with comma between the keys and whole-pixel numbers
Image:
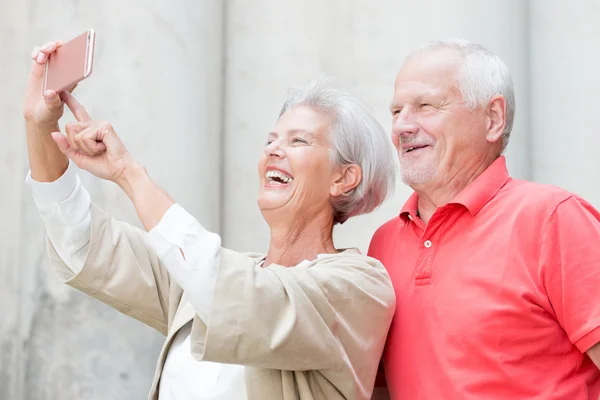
[{"x": 274, "y": 149}]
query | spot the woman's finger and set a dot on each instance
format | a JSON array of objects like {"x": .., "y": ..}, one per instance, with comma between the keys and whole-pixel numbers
[
  {"x": 72, "y": 129},
  {"x": 48, "y": 48},
  {"x": 76, "y": 108},
  {"x": 87, "y": 143},
  {"x": 97, "y": 147},
  {"x": 35, "y": 81},
  {"x": 41, "y": 58},
  {"x": 94, "y": 147},
  {"x": 35, "y": 52},
  {"x": 109, "y": 137},
  {"x": 80, "y": 141},
  {"x": 70, "y": 89},
  {"x": 52, "y": 100},
  {"x": 64, "y": 146}
]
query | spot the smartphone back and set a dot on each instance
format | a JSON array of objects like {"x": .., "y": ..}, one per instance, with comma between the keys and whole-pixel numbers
[{"x": 70, "y": 63}]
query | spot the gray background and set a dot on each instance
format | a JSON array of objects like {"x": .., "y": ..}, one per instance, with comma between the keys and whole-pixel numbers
[{"x": 193, "y": 87}]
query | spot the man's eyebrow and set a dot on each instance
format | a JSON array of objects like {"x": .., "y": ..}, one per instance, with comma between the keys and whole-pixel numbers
[
  {"x": 417, "y": 99},
  {"x": 423, "y": 95}
]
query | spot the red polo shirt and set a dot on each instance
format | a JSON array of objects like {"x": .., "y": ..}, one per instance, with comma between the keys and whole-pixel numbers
[{"x": 498, "y": 297}]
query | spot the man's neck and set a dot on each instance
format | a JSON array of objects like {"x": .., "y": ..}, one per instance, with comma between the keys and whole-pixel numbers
[
  {"x": 437, "y": 194},
  {"x": 300, "y": 240}
]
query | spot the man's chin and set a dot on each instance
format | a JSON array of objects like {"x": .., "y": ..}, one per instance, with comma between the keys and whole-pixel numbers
[{"x": 417, "y": 176}]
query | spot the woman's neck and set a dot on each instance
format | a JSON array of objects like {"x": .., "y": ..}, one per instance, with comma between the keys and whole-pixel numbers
[{"x": 293, "y": 243}]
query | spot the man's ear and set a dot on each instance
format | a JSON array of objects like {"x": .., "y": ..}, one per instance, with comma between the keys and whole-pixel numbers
[
  {"x": 496, "y": 118},
  {"x": 349, "y": 178}
]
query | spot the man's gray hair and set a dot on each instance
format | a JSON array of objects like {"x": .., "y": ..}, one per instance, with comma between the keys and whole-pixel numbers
[
  {"x": 480, "y": 76},
  {"x": 356, "y": 138}
]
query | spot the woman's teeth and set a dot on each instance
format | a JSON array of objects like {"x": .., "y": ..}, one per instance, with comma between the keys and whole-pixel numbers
[{"x": 278, "y": 177}]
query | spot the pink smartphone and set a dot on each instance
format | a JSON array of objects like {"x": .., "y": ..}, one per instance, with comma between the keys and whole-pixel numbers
[{"x": 70, "y": 63}]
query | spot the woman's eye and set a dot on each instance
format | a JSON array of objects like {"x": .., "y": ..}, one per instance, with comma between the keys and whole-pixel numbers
[
  {"x": 425, "y": 105},
  {"x": 299, "y": 140}
]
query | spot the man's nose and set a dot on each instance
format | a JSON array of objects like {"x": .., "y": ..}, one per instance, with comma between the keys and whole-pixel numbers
[{"x": 403, "y": 127}]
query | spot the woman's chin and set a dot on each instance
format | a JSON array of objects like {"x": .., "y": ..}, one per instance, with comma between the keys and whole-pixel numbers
[{"x": 273, "y": 199}]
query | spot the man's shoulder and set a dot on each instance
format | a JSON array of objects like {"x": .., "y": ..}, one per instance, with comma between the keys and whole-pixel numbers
[
  {"x": 536, "y": 190},
  {"x": 390, "y": 226},
  {"x": 539, "y": 199},
  {"x": 528, "y": 194}
]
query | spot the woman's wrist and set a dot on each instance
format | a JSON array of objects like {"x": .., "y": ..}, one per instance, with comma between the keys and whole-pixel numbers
[
  {"x": 149, "y": 200},
  {"x": 131, "y": 177},
  {"x": 35, "y": 128},
  {"x": 46, "y": 162}
]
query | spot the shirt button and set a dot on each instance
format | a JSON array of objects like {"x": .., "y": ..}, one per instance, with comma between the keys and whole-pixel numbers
[{"x": 427, "y": 243}]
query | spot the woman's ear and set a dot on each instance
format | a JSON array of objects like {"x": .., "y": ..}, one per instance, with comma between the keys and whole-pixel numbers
[{"x": 349, "y": 177}]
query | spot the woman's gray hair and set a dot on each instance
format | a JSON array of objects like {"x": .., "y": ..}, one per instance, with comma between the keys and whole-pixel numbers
[
  {"x": 481, "y": 75},
  {"x": 356, "y": 138}
]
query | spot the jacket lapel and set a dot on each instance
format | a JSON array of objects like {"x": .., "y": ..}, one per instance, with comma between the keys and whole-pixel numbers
[{"x": 185, "y": 313}]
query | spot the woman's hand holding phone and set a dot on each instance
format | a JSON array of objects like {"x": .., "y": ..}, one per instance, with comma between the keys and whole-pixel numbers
[
  {"x": 42, "y": 111},
  {"x": 57, "y": 67}
]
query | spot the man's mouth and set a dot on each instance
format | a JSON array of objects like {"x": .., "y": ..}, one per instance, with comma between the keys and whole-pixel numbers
[
  {"x": 276, "y": 177},
  {"x": 415, "y": 147}
]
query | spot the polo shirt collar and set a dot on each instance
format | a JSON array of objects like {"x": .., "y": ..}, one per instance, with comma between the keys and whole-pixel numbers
[
  {"x": 410, "y": 208},
  {"x": 476, "y": 195}
]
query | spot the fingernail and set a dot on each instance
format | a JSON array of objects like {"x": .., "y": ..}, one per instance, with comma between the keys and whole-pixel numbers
[
  {"x": 49, "y": 94},
  {"x": 47, "y": 47},
  {"x": 40, "y": 57},
  {"x": 34, "y": 53}
]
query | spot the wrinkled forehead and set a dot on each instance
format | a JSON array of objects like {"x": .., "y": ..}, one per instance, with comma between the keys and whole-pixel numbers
[
  {"x": 303, "y": 118},
  {"x": 432, "y": 72}
]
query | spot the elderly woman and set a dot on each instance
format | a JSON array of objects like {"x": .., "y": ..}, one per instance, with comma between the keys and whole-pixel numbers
[{"x": 304, "y": 321}]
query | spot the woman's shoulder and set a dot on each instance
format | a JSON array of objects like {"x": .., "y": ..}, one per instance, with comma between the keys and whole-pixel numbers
[
  {"x": 350, "y": 269},
  {"x": 349, "y": 256},
  {"x": 232, "y": 255}
]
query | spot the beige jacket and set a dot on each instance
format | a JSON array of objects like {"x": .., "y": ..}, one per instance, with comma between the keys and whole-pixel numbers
[{"x": 315, "y": 331}]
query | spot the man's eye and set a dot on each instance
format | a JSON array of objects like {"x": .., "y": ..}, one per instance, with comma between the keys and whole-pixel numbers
[
  {"x": 269, "y": 142},
  {"x": 425, "y": 105},
  {"x": 396, "y": 112},
  {"x": 299, "y": 140}
]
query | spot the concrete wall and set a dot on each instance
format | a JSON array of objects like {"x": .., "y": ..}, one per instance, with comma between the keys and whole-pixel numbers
[
  {"x": 193, "y": 87},
  {"x": 157, "y": 77},
  {"x": 564, "y": 89}
]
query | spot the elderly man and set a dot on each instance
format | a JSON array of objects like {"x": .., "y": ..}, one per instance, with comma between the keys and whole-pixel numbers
[{"x": 497, "y": 280}]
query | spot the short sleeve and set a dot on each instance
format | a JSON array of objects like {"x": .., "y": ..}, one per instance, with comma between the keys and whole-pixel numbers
[{"x": 570, "y": 269}]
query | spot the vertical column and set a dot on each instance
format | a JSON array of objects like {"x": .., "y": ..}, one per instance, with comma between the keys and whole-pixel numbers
[
  {"x": 12, "y": 150},
  {"x": 157, "y": 79},
  {"x": 361, "y": 44},
  {"x": 565, "y": 59}
]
